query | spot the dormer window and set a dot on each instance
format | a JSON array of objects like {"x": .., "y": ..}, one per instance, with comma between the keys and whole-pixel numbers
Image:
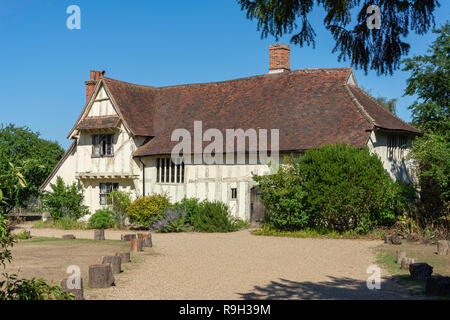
[{"x": 102, "y": 145}]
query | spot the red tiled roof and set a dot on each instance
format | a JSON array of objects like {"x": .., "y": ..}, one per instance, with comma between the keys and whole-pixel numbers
[
  {"x": 99, "y": 122},
  {"x": 310, "y": 107}
]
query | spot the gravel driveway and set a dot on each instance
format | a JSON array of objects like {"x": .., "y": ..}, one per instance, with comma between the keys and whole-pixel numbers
[{"x": 239, "y": 265}]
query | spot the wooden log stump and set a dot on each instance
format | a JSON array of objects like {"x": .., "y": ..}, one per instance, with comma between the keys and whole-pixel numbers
[
  {"x": 413, "y": 237},
  {"x": 406, "y": 262},
  {"x": 148, "y": 240},
  {"x": 68, "y": 236},
  {"x": 400, "y": 256},
  {"x": 140, "y": 245},
  {"x": 442, "y": 247},
  {"x": 396, "y": 240},
  {"x": 28, "y": 234},
  {"x": 99, "y": 235},
  {"x": 115, "y": 261},
  {"x": 133, "y": 245},
  {"x": 438, "y": 286},
  {"x": 127, "y": 237},
  {"x": 100, "y": 276},
  {"x": 388, "y": 239},
  {"x": 125, "y": 256},
  {"x": 420, "y": 271},
  {"x": 73, "y": 286}
]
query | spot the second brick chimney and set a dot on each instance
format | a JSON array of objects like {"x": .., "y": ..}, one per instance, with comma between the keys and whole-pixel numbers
[
  {"x": 280, "y": 58},
  {"x": 90, "y": 84}
]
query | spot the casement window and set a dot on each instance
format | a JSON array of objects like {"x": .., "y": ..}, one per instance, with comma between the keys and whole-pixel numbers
[
  {"x": 102, "y": 145},
  {"x": 105, "y": 190},
  {"x": 396, "y": 147},
  {"x": 391, "y": 146},
  {"x": 233, "y": 193},
  {"x": 169, "y": 172}
]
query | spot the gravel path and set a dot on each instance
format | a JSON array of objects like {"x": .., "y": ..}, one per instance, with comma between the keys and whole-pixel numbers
[{"x": 239, "y": 265}]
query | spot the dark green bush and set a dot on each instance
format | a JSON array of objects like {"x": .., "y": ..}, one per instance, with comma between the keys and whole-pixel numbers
[
  {"x": 334, "y": 187},
  {"x": 189, "y": 206},
  {"x": 102, "y": 219},
  {"x": 64, "y": 200},
  {"x": 213, "y": 217}
]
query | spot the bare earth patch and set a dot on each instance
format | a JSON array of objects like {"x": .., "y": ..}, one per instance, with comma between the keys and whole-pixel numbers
[{"x": 234, "y": 265}]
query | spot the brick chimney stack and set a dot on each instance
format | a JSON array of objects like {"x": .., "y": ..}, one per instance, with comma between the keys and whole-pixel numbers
[
  {"x": 90, "y": 84},
  {"x": 280, "y": 58}
]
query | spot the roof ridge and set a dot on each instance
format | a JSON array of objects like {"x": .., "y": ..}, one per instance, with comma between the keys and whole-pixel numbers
[{"x": 306, "y": 71}]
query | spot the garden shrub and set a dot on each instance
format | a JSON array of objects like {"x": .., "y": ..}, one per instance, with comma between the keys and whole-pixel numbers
[
  {"x": 35, "y": 289},
  {"x": 120, "y": 201},
  {"x": 64, "y": 200},
  {"x": 102, "y": 219},
  {"x": 148, "y": 210},
  {"x": 213, "y": 217},
  {"x": 335, "y": 187},
  {"x": 189, "y": 206}
]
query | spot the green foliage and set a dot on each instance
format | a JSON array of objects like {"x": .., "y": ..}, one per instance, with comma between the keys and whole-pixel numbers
[
  {"x": 12, "y": 184},
  {"x": 377, "y": 49},
  {"x": 64, "y": 200},
  {"x": 22, "y": 148},
  {"x": 335, "y": 188},
  {"x": 102, "y": 219},
  {"x": 213, "y": 217},
  {"x": 21, "y": 289},
  {"x": 148, "y": 210},
  {"x": 22, "y": 235},
  {"x": 6, "y": 240},
  {"x": 172, "y": 221},
  {"x": 430, "y": 82},
  {"x": 189, "y": 206},
  {"x": 120, "y": 201}
]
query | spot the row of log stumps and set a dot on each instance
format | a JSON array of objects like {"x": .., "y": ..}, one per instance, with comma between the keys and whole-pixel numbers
[{"x": 102, "y": 275}]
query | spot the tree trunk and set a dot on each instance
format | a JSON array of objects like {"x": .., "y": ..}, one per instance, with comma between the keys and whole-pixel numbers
[
  {"x": 127, "y": 237},
  {"x": 68, "y": 236},
  {"x": 125, "y": 256},
  {"x": 77, "y": 292},
  {"x": 400, "y": 256},
  {"x": 100, "y": 276},
  {"x": 420, "y": 271},
  {"x": 99, "y": 235},
  {"x": 115, "y": 261},
  {"x": 442, "y": 247}
]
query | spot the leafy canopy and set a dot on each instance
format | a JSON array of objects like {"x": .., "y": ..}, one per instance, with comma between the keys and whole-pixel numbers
[
  {"x": 377, "y": 49},
  {"x": 22, "y": 150}
]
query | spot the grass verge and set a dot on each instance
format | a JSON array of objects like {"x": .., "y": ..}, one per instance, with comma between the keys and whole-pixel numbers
[{"x": 310, "y": 233}]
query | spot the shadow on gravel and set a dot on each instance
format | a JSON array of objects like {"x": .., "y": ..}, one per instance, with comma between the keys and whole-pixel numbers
[{"x": 336, "y": 288}]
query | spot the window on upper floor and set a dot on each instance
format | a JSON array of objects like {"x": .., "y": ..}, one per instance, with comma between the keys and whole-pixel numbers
[
  {"x": 102, "y": 145},
  {"x": 169, "y": 172}
]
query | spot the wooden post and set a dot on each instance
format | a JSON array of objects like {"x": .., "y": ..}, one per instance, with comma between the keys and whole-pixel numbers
[
  {"x": 442, "y": 247},
  {"x": 140, "y": 245},
  {"x": 406, "y": 262},
  {"x": 125, "y": 256},
  {"x": 420, "y": 271},
  {"x": 99, "y": 235},
  {"x": 127, "y": 237},
  {"x": 148, "y": 240},
  {"x": 115, "y": 261},
  {"x": 77, "y": 292},
  {"x": 68, "y": 236},
  {"x": 100, "y": 276},
  {"x": 133, "y": 245},
  {"x": 400, "y": 256}
]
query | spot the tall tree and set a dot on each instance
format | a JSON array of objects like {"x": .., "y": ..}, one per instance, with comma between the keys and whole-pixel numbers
[
  {"x": 23, "y": 152},
  {"x": 430, "y": 81},
  {"x": 366, "y": 47}
]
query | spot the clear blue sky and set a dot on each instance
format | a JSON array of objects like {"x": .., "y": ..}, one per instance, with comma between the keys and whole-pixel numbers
[{"x": 43, "y": 65}]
